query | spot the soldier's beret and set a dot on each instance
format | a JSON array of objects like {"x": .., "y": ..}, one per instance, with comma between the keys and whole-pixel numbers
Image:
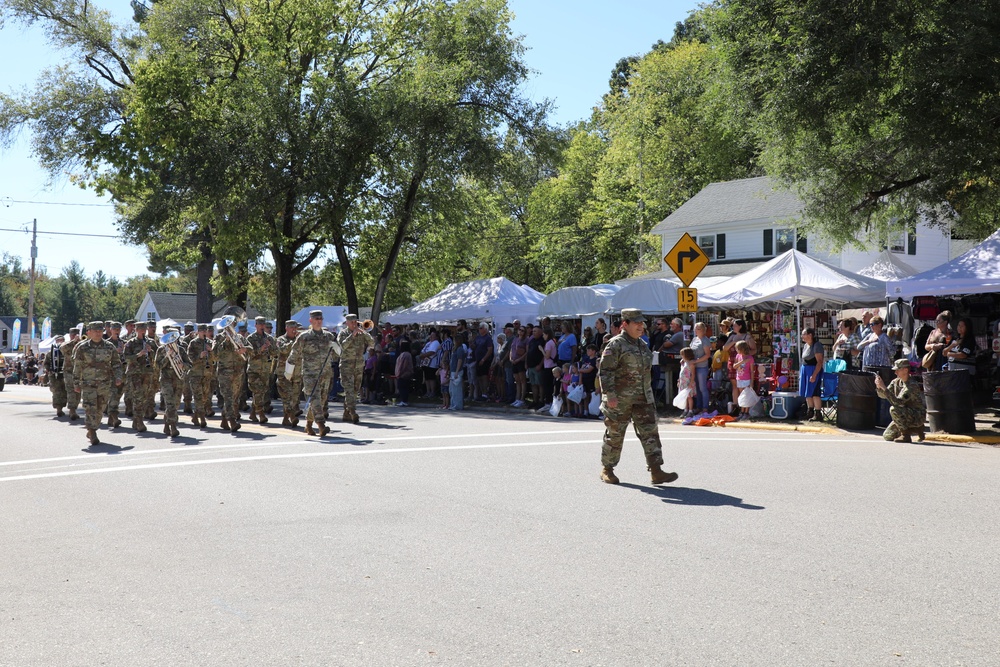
[
  {"x": 900, "y": 364},
  {"x": 189, "y": 325},
  {"x": 318, "y": 314},
  {"x": 351, "y": 317},
  {"x": 291, "y": 323},
  {"x": 95, "y": 326},
  {"x": 202, "y": 327},
  {"x": 633, "y": 315},
  {"x": 260, "y": 319},
  {"x": 128, "y": 322}
]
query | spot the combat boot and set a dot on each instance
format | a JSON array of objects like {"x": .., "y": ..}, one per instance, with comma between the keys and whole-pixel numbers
[
  {"x": 309, "y": 427},
  {"x": 919, "y": 432},
  {"x": 355, "y": 418},
  {"x": 225, "y": 424},
  {"x": 294, "y": 421},
  {"x": 204, "y": 424},
  {"x": 347, "y": 416},
  {"x": 253, "y": 416},
  {"x": 261, "y": 416},
  {"x": 608, "y": 475},
  {"x": 166, "y": 429},
  {"x": 323, "y": 429},
  {"x": 187, "y": 408},
  {"x": 173, "y": 431},
  {"x": 73, "y": 416},
  {"x": 114, "y": 421},
  {"x": 286, "y": 421},
  {"x": 196, "y": 420},
  {"x": 656, "y": 473},
  {"x": 60, "y": 413},
  {"x": 92, "y": 436},
  {"x": 234, "y": 425},
  {"x": 138, "y": 425},
  {"x": 903, "y": 438}
]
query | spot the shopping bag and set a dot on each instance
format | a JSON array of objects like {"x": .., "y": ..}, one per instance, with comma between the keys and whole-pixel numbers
[
  {"x": 595, "y": 404},
  {"x": 748, "y": 398},
  {"x": 680, "y": 400},
  {"x": 929, "y": 359},
  {"x": 556, "y": 408},
  {"x": 576, "y": 393}
]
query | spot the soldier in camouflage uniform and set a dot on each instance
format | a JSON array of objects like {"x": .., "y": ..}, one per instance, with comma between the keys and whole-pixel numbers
[
  {"x": 139, "y": 371},
  {"x": 202, "y": 355},
  {"x": 115, "y": 397},
  {"x": 353, "y": 342},
  {"x": 67, "y": 349},
  {"x": 96, "y": 367},
  {"x": 189, "y": 335},
  {"x": 289, "y": 389},
  {"x": 314, "y": 352},
  {"x": 263, "y": 351},
  {"x": 628, "y": 396},
  {"x": 232, "y": 370},
  {"x": 54, "y": 362},
  {"x": 155, "y": 381},
  {"x": 171, "y": 384},
  {"x": 906, "y": 404},
  {"x": 272, "y": 386},
  {"x": 126, "y": 336}
]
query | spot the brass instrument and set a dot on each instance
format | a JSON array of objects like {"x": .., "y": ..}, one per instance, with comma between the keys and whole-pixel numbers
[
  {"x": 227, "y": 327},
  {"x": 368, "y": 326},
  {"x": 169, "y": 343}
]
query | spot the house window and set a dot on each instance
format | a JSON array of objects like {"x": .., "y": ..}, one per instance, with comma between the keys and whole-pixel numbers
[
  {"x": 897, "y": 242},
  {"x": 904, "y": 242},
  {"x": 784, "y": 240},
  {"x": 4, "y": 343},
  {"x": 151, "y": 316},
  {"x": 707, "y": 245}
]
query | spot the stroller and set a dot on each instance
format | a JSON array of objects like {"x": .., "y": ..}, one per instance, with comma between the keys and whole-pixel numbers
[{"x": 720, "y": 391}]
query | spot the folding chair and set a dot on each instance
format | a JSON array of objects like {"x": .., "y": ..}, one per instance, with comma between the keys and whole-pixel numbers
[{"x": 831, "y": 381}]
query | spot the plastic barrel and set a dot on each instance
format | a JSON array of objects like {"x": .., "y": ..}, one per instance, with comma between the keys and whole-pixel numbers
[
  {"x": 949, "y": 401},
  {"x": 882, "y": 416},
  {"x": 856, "y": 400}
]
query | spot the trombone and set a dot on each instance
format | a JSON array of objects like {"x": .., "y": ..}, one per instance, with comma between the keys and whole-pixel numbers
[{"x": 169, "y": 343}]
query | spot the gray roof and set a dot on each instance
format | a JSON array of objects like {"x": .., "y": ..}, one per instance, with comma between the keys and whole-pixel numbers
[
  {"x": 183, "y": 306},
  {"x": 733, "y": 201},
  {"x": 9, "y": 321}
]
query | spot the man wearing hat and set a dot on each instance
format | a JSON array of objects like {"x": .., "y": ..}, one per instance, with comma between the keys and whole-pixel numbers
[
  {"x": 289, "y": 388},
  {"x": 354, "y": 341},
  {"x": 54, "y": 370},
  {"x": 906, "y": 404},
  {"x": 139, "y": 371},
  {"x": 97, "y": 366},
  {"x": 126, "y": 336},
  {"x": 154, "y": 341},
  {"x": 263, "y": 351},
  {"x": 202, "y": 355},
  {"x": 231, "y": 354},
  {"x": 115, "y": 397},
  {"x": 314, "y": 353},
  {"x": 67, "y": 349},
  {"x": 171, "y": 382},
  {"x": 189, "y": 335},
  {"x": 628, "y": 397}
]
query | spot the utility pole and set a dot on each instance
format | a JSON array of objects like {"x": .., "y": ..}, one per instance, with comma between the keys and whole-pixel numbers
[{"x": 31, "y": 283}]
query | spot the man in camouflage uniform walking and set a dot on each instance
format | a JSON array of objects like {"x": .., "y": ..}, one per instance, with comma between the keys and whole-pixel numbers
[
  {"x": 906, "y": 404},
  {"x": 171, "y": 384},
  {"x": 189, "y": 335},
  {"x": 202, "y": 355},
  {"x": 263, "y": 350},
  {"x": 126, "y": 336},
  {"x": 96, "y": 367},
  {"x": 231, "y": 373},
  {"x": 67, "y": 349},
  {"x": 353, "y": 342},
  {"x": 139, "y": 353},
  {"x": 289, "y": 388},
  {"x": 115, "y": 397},
  {"x": 628, "y": 396},
  {"x": 54, "y": 362},
  {"x": 314, "y": 352}
]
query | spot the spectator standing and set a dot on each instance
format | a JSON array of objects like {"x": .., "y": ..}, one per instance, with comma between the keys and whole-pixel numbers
[
  {"x": 961, "y": 352},
  {"x": 811, "y": 374},
  {"x": 865, "y": 329},
  {"x": 686, "y": 381},
  {"x": 743, "y": 363},
  {"x": 430, "y": 360},
  {"x": 876, "y": 348},
  {"x": 588, "y": 371},
  {"x": 535, "y": 358},
  {"x": 739, "y": 333},
  {"x": 482, "y": 353},
  {"x": 846, "y": 345},
  {"x": 939, "y": 339},
  {"x": 568, "y": 345},
  {"x": 444, "y": 375},
  {"x": 505, "y": 364},
  {"x": 549, "y": 354},
  {"x": 404, "y": 373},
  {"x": 457, "y": 372},
  {"x": 600, "y": 331},
  {"x": 518, "y": 354},
  {"x": 701, "y": 346}
]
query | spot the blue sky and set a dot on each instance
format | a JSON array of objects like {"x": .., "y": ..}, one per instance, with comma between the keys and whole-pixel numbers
[{"x": 572, "y": 47}]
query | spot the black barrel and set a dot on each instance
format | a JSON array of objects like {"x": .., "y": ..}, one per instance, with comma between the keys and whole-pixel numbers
[
  {"x": 856, "y": 400},
  {"x": 882, "y": 416},
  {"x": 949, "y": 401}
]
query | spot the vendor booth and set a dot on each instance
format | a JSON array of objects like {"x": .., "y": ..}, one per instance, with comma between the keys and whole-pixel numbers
[
  {"x": 496, "y": 299},
  {"x": 578, "y": 303}
]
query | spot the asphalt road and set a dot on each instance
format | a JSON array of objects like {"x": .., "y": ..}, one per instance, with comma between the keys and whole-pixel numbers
[{"x": 420, "y": 538}]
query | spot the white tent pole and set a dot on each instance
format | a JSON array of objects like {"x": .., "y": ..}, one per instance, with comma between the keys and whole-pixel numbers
[{"x": 797, "y": 339}]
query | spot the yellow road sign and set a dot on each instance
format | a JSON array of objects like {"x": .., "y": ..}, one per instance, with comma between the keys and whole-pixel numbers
[
  {"x": 687, "y": 299},
  {"x": 686, "y": 259}
]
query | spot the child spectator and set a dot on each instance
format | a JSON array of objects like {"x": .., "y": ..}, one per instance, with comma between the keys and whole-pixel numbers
[
  {"x": 559, "y": 387},
  {"x": 369, "y": 381},
  {"x": 445, "y": 389},
  {"x": 685, "y": 380},
  {"x": 575, "y": 409},
  {"x": 588, "y": 372},
  {"x": 404, "y": 373},
  {"x": 744, "y": 373}
]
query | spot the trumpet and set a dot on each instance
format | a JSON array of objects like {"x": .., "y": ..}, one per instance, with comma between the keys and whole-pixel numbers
[
  {"x": 368, "y": 326},
  {"x": 169, "y": 343},
  {"x": 227, "y": 327}
]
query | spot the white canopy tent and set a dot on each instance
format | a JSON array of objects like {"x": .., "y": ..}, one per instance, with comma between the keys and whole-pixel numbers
[
  {"x": 653, "y": 297},
  {"x": 977, "y": 271},
  {"x": 585, "y": 303},
  {"x": 887, "y": 266},
  {"x": 496, "y": 299}
]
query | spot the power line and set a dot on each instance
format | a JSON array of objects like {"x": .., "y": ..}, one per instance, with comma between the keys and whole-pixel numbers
[
  {"x": 100, "y": 236},
  {"x": 8, "y": 201}
]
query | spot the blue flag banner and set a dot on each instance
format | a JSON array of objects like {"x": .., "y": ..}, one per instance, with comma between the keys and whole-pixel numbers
[
  {"x": 46, "y": 328},
  {"x": 15, "y": 341}
]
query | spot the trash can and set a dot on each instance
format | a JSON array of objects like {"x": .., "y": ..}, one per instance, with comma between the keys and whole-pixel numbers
[
  {"x": 882, "y": 416},
  {"x": 856, "y": 400},
  {"x": 948, "y": 395}
]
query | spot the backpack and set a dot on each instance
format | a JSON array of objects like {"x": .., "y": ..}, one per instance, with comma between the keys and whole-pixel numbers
[{"x": 925, "y": 308}]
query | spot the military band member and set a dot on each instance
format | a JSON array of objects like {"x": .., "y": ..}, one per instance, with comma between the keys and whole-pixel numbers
[
  {"x": 231, "y": 355},
  {"x": 313, "y": 352},
  {"x": 96, "y": 367},
  {"x": 155, "y": 381},
  {"x": 272, "y": 386},
  {"x": 263, "y": 351},
  {"x": 54, "y": 362},
  {"x": 353, "y": 342},
  {"x": 115, "y": 397},
  {"x": 906, "y": 404},
  {"x": 126, "y": 336},
  {"x": 171, "y": 384},
  {"x": 289, "y": 389},
  {"x": 67, "y": 348},
  {"x": 628, "y": 397},
  {"x": 201, "y": 353},
  {"x": 139, "y": 371},
  {"x": 189, "y": 335}
]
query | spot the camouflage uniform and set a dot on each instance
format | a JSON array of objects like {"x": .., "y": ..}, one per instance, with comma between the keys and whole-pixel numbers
[
  {"x": 183, "y": 343},
  {"x": 171, "y": 386},
  {"x": 57, "y": 384},
  {"x": 201, "y": 375},
  {"x": 263, "y": 350},
  {"x": 139, "y": 374},
  {"x": 115, "y": 397},
  {"x": 906, "y": 406},
  {"x": 232, "y": 368},
  {"x": 96, "y": 367},
  {"x": 72, "y": 397},
  {"x": 289, "y": 390},
  {"x": 126, "y": 387},
  {"x": 352, "y": 368},
  {"x": 312, "y": 352}
]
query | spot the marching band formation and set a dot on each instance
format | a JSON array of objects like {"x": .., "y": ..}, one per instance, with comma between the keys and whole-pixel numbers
[{"x": 188, "y": 368}]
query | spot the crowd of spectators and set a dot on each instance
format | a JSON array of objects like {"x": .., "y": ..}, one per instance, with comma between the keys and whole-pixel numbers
[{"x": 23, "y": 369}]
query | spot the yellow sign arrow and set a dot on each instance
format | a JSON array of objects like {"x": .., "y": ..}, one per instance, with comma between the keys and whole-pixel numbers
[{"x": 686, "y": 259}]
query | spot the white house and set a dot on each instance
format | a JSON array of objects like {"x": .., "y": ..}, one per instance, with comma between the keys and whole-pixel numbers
[
  {"x": 742, "y": 224},
  {"x": 182, "y": 307}
]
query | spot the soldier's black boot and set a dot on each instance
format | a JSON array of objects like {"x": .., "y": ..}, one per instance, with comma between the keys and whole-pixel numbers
[
  {"x": 354, "y": 417},
  {"x": 234, "y": 425},
  {"x": 608, "y": 475},
  {"x": 138, "y": 425},
  {"x": 196, "y": 420},
  {"x": 173, "y": 431},
  {"x": 204, "y": 424},
  {"x": 60, "y": 413},
  {"x": 286, "y": 421},
  {"x": 657, "y": 475}
]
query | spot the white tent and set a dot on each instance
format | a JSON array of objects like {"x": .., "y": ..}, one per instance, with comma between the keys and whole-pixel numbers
[
  {"x": 977, "y": 271},
  {"x": 496, "y": 299},
  {"x": 653, "y": 297},
  {"x": 333, "y": 317},
  {"x": 887, "y": 266},
  {"x": 46, "y": 344},
  {"x": 793, "y": 278},
  {"x": 572, "y": 302}
]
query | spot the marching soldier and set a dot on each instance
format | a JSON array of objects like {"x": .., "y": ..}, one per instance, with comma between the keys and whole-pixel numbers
[
  {"x": 54, "y": 369},
  {"x": 289, "y": 388},
  {"x": 155, "y": 381},
  {"x": 272, "y": 386},
  {"x": 628, "y": 397},
  {"x": 200, "y": 352},
  {"x": 353, "y": 342},
  {"x": 171, "y": 383},
  {"x": 244, "y": 393},
  {"x": 906, "y": 404},
  {"x": 215, "y": 376},
  {"x": 263, "y": 350},
  {"x": 127, "y": 391},
  {"x": 96, "y": 367},
  {"x": 189, "y": 335},
  {"x": 314, "y": 353},
  {"x": 67, "y": 349},
  {"x": 231, "y": 355},
  {"x": 115, "y": 397},
  {"x": 139, "y": 371}
]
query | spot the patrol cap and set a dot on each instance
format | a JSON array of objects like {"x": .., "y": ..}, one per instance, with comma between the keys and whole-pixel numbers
[
  {"x": 75, "y": 330},
  {"x": 351, "y": 317},
  {"x": 900, "y": 364},
  {"x": 632, "y": 315},
  {"x": 140, "y": 325},
  {"x": 128, "y": 322},
  {"x": 291, "y": 323},
  {"x": 59, "y": 338},
  {"x": 260, "y": 319},
  {"x": 150, "y": 324},
  {"x": 316, "y": 314},
  {"x": 116, "y": 325},
  {"x": 189, "y": 325},
  {"x": 96, "y": 325},
  {"x": 202, "y": 326}
]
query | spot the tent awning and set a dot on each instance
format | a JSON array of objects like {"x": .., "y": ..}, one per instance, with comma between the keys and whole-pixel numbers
[
  {"x": 496, "y": 299},
  {"x": 977, "y": 271},
  {"x": 653, "y": 297},
  {"x": 578, "y": 301}
]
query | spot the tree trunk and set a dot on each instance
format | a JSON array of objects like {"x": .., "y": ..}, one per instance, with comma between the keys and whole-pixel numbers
[
  {"x": 283, "y": 273},
  {"x": 347, "y": 272},
  {"x": 204, "y": 300}
]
